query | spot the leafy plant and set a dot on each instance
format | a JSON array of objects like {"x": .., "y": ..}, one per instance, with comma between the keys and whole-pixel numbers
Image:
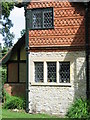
[
  {"x": 3, "y": 79},
  {"x": 8, "y": 37},
  {"x": 79, "y": 109},
  {"x": 13, "y": 102},
  {"x": 3, "y": 74}
]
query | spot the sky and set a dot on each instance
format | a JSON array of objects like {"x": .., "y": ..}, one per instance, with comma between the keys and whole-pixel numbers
[{"x": 18, "y": 20}]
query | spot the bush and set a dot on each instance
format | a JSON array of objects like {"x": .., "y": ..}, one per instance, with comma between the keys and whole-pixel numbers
[
  {"x": 3, "y": 74},
  {"x": 79, "y": 109},
  {"x": 13, "y": 102},
  {"x": 3, "y": 79}
]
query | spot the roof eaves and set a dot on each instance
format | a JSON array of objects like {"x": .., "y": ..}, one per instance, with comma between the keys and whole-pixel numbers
[
  {"x": 6, "y": 58},
  {"x": 22, "y": 4}
]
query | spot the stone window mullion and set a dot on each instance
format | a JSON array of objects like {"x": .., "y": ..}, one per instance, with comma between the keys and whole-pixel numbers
[
  {"x": 57, "y": 72},
  {"x": 45, "y": 72}
]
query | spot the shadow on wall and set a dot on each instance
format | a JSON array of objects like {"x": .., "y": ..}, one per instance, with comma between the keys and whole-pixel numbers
[
  {"x": 78, "y": 75},
  {"x": 89, "y": 43}
]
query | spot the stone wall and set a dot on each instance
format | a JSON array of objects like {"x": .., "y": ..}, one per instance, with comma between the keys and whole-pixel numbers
[{"x": 56, "y": 98}]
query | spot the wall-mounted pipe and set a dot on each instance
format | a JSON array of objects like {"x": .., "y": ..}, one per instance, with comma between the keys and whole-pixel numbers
[{"x": 27, "y": 55}]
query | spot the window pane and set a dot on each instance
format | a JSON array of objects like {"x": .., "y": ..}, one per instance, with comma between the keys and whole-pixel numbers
[
  {"x": 47, "y": 19},
  {"x": 36, "y": 19},
  {"x": 38, "y": 71},
  {"x": 64, "y": 72},
  {"x": 51, "y": 71}
]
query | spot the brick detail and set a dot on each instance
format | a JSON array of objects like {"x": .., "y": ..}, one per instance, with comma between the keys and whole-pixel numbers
[
  {"x": 71, "y": 12},
  {"x": 15, "y": 89},
  {"x": 48, "y": 4},
  {"x": 58, "y": 41},
  {"x": 58, "y": 32},
  {"x": 61, "y": 22},
  {"x": 69, "y": 27}
]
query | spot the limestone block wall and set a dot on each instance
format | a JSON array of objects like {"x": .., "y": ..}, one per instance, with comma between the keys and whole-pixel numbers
[{"x": 56, "y": 98}]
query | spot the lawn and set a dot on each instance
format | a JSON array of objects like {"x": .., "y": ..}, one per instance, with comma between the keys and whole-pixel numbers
[{"x": 11, "y": 114}]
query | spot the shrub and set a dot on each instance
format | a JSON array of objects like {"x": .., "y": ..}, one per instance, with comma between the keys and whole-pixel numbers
[
  {"x": 3, "y": 79},
  {"x": 79, "y": 109},
  {"x": 13, "y": 102},
  {"x": 3, "y": 74}
]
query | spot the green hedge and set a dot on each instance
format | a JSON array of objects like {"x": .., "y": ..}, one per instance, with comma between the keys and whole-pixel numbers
[{"x": 79, "y": 109}]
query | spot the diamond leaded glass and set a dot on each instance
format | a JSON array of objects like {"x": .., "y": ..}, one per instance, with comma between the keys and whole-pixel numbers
[
  {"x": 38, "y": 71},
  {"x": 36, "y": 22},
  {"x": 51, "y": 71},
  {"x": 64, "y": 72},
  {"x": 42, "y": 18},
  {"x": 47, "y": 19}
]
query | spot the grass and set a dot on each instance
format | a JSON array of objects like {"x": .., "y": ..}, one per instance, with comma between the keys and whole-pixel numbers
[{"x": 11, "y": 114}]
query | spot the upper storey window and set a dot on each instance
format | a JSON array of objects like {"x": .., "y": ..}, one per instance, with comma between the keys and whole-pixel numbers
[{"x": 42, "y": 18}]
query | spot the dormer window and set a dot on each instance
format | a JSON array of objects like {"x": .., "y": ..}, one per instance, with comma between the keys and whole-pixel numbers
[{"x": 42, "y": 18}]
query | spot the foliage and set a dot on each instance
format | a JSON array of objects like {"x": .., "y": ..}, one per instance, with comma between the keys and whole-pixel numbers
[
  {"x": 3, "y": 71},
  {"x": 3, "y": 74},
  {"x": 13, "y": 102},
  {"x": 79, "y": 109},
  {"x": 7, "y": 23},
  {"x": 6, "y": 8},
  {"x": 0, "y": 51},
  {"x": 23, "y": 32},
  {"x": 3, "y": 79}
]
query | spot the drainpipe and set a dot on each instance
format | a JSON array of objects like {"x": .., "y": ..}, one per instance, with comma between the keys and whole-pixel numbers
[
  {"x": 27, "y": 56},
  {"x": 25, "y": 4},
  {"x": 87, "y": 50}
]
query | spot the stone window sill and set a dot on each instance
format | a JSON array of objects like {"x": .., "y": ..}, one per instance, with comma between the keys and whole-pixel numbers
[{"x": 51, "y": 84}]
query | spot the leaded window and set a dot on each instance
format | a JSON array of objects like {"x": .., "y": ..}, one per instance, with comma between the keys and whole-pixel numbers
[
  {"x": 38, "y": 71},
  {"x": 42, "y": 18},
  {"x": 47, "y": 19},
  {"x": 36, "y": 23},
  {"x": 51, "y": 71},
  {"x": 64, "y": 72}
]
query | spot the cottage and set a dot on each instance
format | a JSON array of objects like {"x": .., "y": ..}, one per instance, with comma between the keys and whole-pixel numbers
[
  {"x": 15, "y": 61},
  {"x": 56, "y": 33}
]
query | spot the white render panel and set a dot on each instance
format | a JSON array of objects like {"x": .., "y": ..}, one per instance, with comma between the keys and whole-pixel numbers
[{"x": 56, "y": 98}]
